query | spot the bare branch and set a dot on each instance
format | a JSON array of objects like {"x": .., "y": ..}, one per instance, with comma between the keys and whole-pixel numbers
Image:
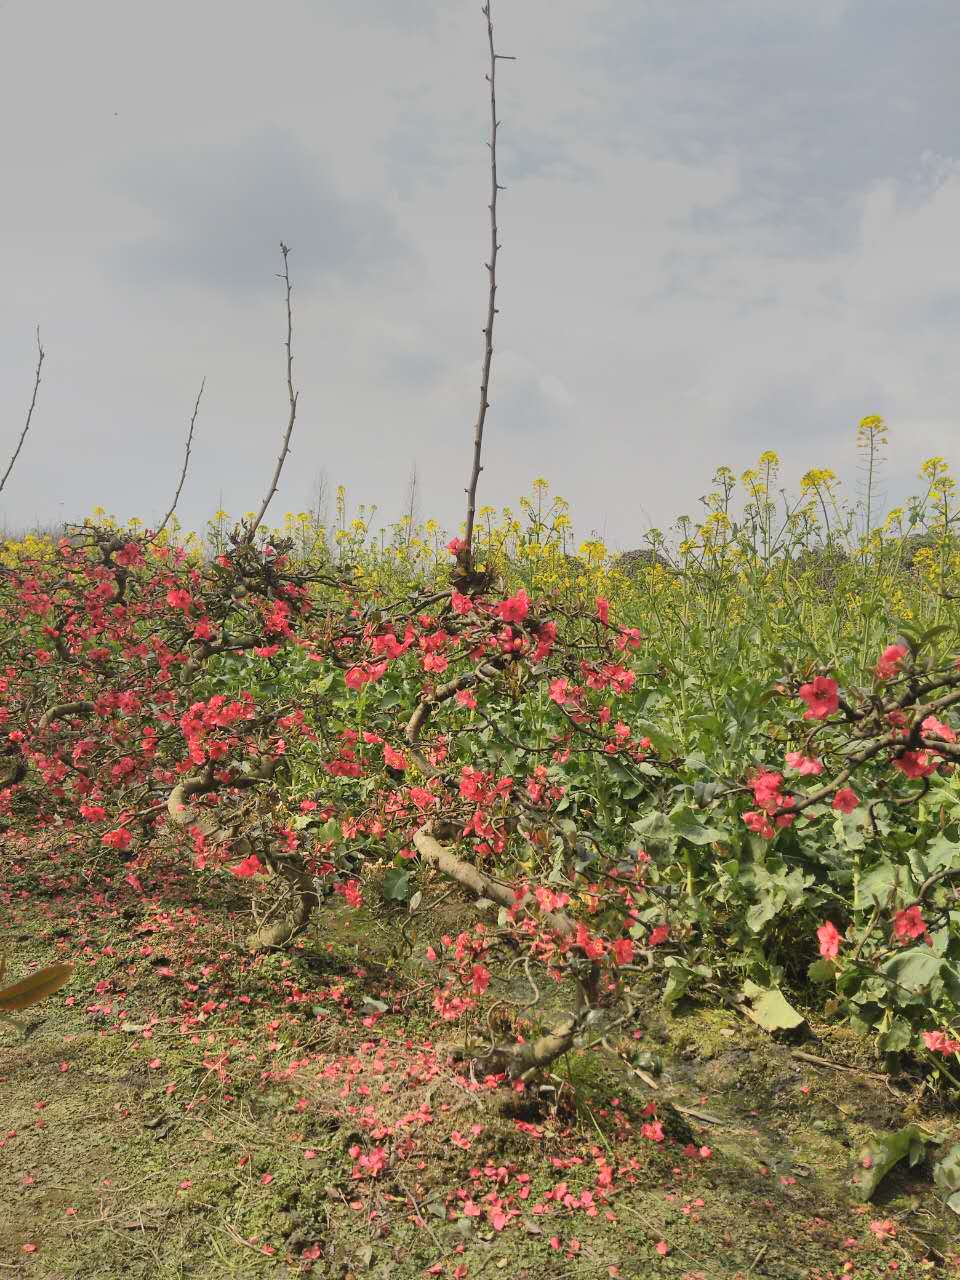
[
  {"x": 467, "y": 550},
  {"x": 186, "y": 463},
  {"x": 303, "y": 899},
  {"x": 411, "y": 503},
  {"x": 33, "y": 401},
  {"x": 64, "y": 709},
  {"x": 483, "y": 886},
  {"x": 293, "y": 395}
]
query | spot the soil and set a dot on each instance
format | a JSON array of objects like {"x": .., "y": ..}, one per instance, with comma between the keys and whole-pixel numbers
[{"x": 180, "y": 1110}]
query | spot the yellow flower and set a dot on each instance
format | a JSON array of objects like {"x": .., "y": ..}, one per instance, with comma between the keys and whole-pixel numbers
[
  {"x": 872, "y": 426},
  {"x": 593, "y": 550},
  {"x": 818, "y": 478}
]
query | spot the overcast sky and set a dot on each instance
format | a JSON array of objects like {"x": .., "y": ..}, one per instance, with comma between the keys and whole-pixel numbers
[{"x": 729, "y": 225}]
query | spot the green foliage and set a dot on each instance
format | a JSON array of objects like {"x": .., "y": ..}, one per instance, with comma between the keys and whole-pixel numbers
[
  {"x": 946, "y": 1177},
  {"x": 878, "y": 1157}
]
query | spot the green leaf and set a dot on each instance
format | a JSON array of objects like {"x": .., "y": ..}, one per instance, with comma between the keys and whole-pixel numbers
[
  {"x": 690, "y": 827},
  {"x": 771, "y": 1009},
  {"x": 932, "y": 634},
  {"x": 946, "y": 1177},
  {"x": 396, "y": 885},
  {"x": 822, "y": 971},
  {"x": 664, "y": 744},
  {"x": 877, "y": 884},
  {"x": 703, "y": 792},
  {"x": 878, "y": 1157},
  {"x": 915, "y": 969},
  {"x": 759, "y": 914},
  {"x": 656, "y": 833},
  {"x": 851, "y": 828},
  {"x": 898, "y": 1037},
  {"x": 679, "y": 977}
]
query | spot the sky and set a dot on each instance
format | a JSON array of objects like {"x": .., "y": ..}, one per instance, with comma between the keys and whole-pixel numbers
[{"x": 728, "y": 226}]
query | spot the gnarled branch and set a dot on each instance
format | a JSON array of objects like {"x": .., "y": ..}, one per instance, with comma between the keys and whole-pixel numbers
[{"x": 64, "y": 709}]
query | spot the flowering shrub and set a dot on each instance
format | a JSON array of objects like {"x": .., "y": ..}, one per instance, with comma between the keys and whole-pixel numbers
[{"x": 290, "y": 714}]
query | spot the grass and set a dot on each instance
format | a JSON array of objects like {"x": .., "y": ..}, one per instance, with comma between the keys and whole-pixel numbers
[{"x": 220, "y": 1126}]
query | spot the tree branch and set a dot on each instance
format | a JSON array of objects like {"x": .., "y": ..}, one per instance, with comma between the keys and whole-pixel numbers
[
  {"x": 293, "y": 396},
  {"x": 26, "y": 427},
  {"x": 467, "y": 550},
  {"x": 186, "y": 462}
]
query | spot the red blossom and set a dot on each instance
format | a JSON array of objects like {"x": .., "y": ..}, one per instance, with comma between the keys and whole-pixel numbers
[
  {"x": 248, "y": 867},
  {"x": 890, "y": 661},
  {"x": 515, "y": 608},
  {"x": 822, "y": 696},
  {"x": 830, "y": 939},
  {"x": 845, "y": 800},
  {"x": 940, "y": 1042},
  {"x": 910, "y": 924}
]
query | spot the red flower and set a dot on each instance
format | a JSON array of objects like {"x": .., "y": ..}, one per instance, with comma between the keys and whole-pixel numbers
[
  {"x": 804, "y": 765},
  {"x": 883, "y": 1228},
  {"x": 121, "y": 839},
  {"x": 939, "y": 1042},
  {"x": 914, "y": 764},
  {"x": 846, "y": 800},
  {"x": 180, "y": 599},
  {"x": 890, "y": 660},
  {"x": 351, "y": 891},
  {"x": 759, "y": 823},
  {"x": 480, "y": 979},
  {"x": 515, "y": 608},
  {"x": 822, "y": 697},
  {"x": 935, "y": 728},
  {"x": 248, "y": 867},
  {"x": 766, "y": 790},
  {"x": 356, "y": 677},
  {"x": 830, "y": 940},
  {"x": 560, "y": 690},
  {"x": 910, "y": 924}
]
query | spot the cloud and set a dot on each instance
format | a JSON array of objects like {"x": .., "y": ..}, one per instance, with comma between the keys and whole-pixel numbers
[
  {"x": 728, "y": 225},
  {"x": 414, "y": 15},
  {"x": 814, "y": 101},
  {"x": 220, "y": 212}
]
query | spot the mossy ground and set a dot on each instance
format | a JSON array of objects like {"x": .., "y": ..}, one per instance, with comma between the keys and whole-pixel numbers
[{"x": 219, "y": 1127}]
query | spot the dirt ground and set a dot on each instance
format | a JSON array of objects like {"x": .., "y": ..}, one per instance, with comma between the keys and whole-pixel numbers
[{"x": 180, "y": 1110}]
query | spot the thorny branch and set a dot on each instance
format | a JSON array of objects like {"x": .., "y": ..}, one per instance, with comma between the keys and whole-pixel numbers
[
  {"x": 26, "y": 426},
  {"x": 293, "y": 397},
  {"x": 186, "y": 462},
  {"x": 467, "y": 550}
]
